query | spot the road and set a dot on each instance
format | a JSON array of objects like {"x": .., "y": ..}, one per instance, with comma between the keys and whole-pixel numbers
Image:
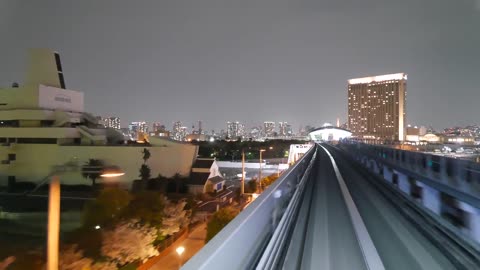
[{"x": 194, "y": 242}]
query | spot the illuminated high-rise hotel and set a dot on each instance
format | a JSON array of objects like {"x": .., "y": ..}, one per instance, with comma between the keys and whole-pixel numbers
[{"x": 376, "y": 107}]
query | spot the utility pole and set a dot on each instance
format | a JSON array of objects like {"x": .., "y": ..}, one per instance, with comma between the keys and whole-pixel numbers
[
  {"x": 260, "y": 170},
  {"x": 242, "y": 187},
  {"x": 53, "y": 230}
]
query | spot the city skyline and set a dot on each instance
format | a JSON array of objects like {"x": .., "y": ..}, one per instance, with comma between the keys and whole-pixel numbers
[{"x": 179, "y": 59}]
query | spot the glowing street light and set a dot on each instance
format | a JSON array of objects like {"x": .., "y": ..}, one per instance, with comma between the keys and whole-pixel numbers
[
  {"x": 111, "y": 171},
  {"x": 180, "y": 251}
]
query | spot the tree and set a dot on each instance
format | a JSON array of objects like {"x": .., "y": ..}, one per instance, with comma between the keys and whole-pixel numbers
[
  {"x": 73, "y": 259},
  {"x": 146, "y": 155},
  {"x": 87, "y": 239},
  {"x": 128, "y": 242},
  {"x": 252, "y": 186},
  {"x": 219, "y": 220},
  {"x": 106, "y": 208},
  {"x": 92, "y": 169},
  {"x": 178, "y": 180},
  {"x": 267, "y": 181},
  {"x": 145, "y": 172},
  {"x": 6, "y": 262},
  {"x": 147, "y": 207},
  {"x": 175, "y": 217},
  {"x": 31, "y": 259}
]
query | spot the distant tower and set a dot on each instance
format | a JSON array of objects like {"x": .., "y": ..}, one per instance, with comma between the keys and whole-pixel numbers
[{"x": 338, "y": 122}]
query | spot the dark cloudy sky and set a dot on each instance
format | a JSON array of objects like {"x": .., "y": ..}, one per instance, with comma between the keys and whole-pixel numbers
[{"x": 251, "y": 60}]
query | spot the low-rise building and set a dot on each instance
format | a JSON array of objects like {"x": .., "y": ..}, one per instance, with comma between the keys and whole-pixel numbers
[
  {"x": 43, "y": 125},
  {"x": 457, "y": 139},
  {"x": 205, "y": 177}
]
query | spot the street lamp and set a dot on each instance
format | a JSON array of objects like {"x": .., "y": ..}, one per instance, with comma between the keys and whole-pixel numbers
[
  {"x": 180, "y": 251},
  {"x": 242, "y": 187},
  {"x": 53, "y": 228},
  {"x": 111, "y": 172},
  {"x": 260, "y": 168}
]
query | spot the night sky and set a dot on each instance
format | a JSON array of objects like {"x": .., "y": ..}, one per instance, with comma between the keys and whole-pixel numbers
[{"x": 251, "y": 60}]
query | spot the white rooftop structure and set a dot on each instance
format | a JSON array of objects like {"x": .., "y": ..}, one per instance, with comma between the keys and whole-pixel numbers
[{"x": 381, "y": 78}]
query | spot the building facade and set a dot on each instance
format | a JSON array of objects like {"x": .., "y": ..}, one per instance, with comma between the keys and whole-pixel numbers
[
  {"x": 139, "y": 126},
  {"x": 282, "y": 129},
  {"x": 235, "y": 130},
  {"x": 269, "y": 128},
  {"x": 157, "y": 126},
  {"x": 376, "y": 107},
  {"x": 111, "y": 122},
  {"x": 44, "y": 126}
]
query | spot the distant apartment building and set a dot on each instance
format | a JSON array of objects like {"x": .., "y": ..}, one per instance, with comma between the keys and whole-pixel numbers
[
  {"x": 235, "y": 130},
  {"x": 179, "y": 132},
  {"x": 111, "y": 122},
  {"x": 182, "y": 135},
  {"x": 200, "y": 128},
  {"x": 269, "y": 129},
  {"x": 159, "y": 130},
  {"x": 255, "y": 133},
  {"x": 288, "y": 130},
  {"x": 284, "y": 130},
  {"x": 376, "y": 107},
  {"x": 176, "y": 130},
  {"x": 157, "y": 126},
  {"x": 136, "y": 128}
]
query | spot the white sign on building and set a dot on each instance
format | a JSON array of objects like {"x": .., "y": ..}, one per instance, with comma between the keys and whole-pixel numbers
[{"x": 60, "y": 99}]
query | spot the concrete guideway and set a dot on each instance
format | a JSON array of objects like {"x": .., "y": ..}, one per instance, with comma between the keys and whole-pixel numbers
[
  {"x": 399, "y": 242},
  {"x": 326, "y": 231},
  {"x": 370, "y": 254},
  {"x": 329, "y": 212},
  {"x": 331, "y": 241}
]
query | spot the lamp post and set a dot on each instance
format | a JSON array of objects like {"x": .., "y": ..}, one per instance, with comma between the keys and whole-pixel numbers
[
  {"x": 180, "y": 251},
  {"x": 242, "y": 186},
  {"x": 260, "y": 168},
  {"x": 53, "y": 228}
]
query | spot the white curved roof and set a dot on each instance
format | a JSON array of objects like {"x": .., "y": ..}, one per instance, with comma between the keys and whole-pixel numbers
[{"x": 329, "y": 133}]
